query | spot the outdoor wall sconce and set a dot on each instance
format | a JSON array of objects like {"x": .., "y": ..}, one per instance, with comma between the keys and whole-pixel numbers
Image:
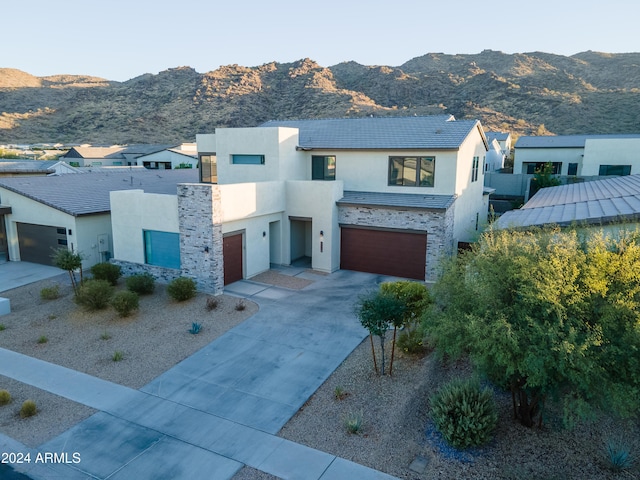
[
  {"x": 206, "y": 249},
  {"x": 321, "y": 233},
  {"x": 321, "y": 241},
  {"x": 264, "y": 234}
]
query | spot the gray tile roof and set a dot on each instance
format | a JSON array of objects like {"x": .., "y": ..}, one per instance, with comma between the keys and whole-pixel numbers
[
  {"x": 604, "y": 201},
  {"x": 500, "y": 136},
  {"x": 26, "y": 166},
  {"x": 397, "y": 200},
  {"x": 118, "y": 151},
  {"x": 89, "y": 194},
  {"x": 432, "y": 132},
  {"x": 564, "y": 141}
]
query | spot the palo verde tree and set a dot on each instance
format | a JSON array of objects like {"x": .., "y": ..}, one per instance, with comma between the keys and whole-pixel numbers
[
  {"x": 378, "y": 311},
  {"x": 65, "y": 259},
  {"x": 548, "y": 314}
]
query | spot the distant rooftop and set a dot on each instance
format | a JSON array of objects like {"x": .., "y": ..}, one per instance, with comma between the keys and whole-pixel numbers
[
  {"x": 499, "y": 136},
  {"x": 598, "y": 202},
  {"x": 27, "y": 166},
  {"x": 429, "y": 132},
  {"x": 565, "y": 141},
  {"x": 89, "y": 194}
]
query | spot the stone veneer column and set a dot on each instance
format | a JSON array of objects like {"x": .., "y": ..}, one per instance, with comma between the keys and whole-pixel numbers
[{"x": 200, "y": 224}]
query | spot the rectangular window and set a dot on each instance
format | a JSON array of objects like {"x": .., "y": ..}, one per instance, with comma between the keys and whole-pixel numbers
[
  {"x": 615, "y": 170},
  {"x": 247, "y": 159},
  {"x": 323, "y": 168},
  {"x": 412, "y": 171},
  {"x": 208, "y": 168},
  {"x": 474, "y": 169},
  {"x": 532, "y": 168},
  {"x": 572, "y": 169},
  {"x": 162, "y": 248}
]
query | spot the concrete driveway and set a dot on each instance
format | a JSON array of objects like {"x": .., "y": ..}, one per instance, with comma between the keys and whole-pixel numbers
[
  {"x": 17, "y": 274},
  {"x": 221, "y": 408}
]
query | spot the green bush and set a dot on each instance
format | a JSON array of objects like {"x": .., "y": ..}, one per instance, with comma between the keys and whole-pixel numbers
[
  {"x": 106, "y": 271},
  {"x": 411, "y": 341},
  {"x": 142, "y": 284},
  {"x": 353, "y": 422},
  {"x": 50, "y": 293},
  {"x": 94, "y": 294},
  {"x": 28, "y": 409},
  {"x": 464, "y": 414},
  {"x": 125, "y": 302},
  {"x": 182, "y": 288},
  {"x": 5, "y": 397},
  {"x": 117, "y": 356}
]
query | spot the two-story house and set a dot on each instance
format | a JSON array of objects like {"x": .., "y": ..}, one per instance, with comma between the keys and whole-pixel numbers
[{"x": 384, "y": 195}]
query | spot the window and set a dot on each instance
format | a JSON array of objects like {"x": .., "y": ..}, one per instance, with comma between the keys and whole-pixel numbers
[
  {"x": 208, "y": 168},
  {"x": 615, "y": 170},
  {"x": 474, "y": 169},
  {"x": 531, "y": 168},
  {"x": 323, "y": 168},
  {"x": 572, "y": 169},
  {"x": 247, "y": 159},
  {"x": 412, "y": 171},
  {"x": 162, "y": 248}
]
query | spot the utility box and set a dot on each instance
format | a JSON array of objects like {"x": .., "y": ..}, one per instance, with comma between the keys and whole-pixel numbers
[{"x": 5, "y": 306}]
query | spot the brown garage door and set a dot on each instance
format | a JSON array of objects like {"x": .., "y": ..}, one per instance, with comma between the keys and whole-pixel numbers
[
  {"x": 232, "y": 252},
  {"x": 399, "y": 254},
  {"x": 38, "y": 242}
]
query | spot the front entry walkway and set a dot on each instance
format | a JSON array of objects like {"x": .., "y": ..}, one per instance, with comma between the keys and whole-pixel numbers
[{"x": 219, "y": 409}]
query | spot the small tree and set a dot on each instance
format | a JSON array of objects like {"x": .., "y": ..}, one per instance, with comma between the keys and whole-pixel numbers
[
  {"x": 377, "y": 312},
  {"x": 65, "y": 259}
]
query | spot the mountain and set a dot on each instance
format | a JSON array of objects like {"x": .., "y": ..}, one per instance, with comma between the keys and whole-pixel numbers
[{"x": 524, "y": 93}]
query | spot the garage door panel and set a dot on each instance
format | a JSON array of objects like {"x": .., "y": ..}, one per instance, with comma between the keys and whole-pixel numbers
[
  {"x": 38, "y": 242},
  {"x": 387, "y": 252},
  {"x": 232, "y": 253}
]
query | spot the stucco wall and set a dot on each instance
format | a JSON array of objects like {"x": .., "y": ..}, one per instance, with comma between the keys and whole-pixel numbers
[
  {"x": 535, "y": 155},
  {"x": 618, "y": 151}
]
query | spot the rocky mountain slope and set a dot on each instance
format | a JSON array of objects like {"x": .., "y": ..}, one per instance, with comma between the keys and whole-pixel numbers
[{"x": 529, "y": 93}]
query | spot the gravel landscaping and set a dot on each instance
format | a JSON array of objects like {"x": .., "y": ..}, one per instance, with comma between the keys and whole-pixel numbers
[{"x": 396, "y": 436}]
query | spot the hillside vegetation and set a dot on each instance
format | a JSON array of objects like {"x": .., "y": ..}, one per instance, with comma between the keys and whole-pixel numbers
[{"x": 528, "y": 93}]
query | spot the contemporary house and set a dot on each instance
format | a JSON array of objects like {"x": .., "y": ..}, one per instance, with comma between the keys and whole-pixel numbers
[
  {"x": 384, "y": 195},
  {"x": 181, "y": 156},
  {"x": 116, "y": 155},
  {"x": 610, "y": 203},
  {"x": 39, "y": 214},
  {"x": 581, "y": 155},
  {"x": 14, "y": 168}
]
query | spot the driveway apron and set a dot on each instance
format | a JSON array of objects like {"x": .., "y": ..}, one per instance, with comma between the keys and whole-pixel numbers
[{"x": 221, "y": 408}]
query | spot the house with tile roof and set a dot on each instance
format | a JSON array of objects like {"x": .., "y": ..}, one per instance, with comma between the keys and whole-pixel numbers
[
  {"x": 115, "y": 155},
  {"x": 579, "y": 155},
  {"x": 39, "y": 214},
  {"x": 388, "y": 195},
  {"x": 610, "y": 203}
]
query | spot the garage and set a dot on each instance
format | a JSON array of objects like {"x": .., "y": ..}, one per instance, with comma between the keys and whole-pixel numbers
[
  {"x": 232, "y": 254},
  {"x": 38, "y": 242},
  {"x": 387, "y": 252}
]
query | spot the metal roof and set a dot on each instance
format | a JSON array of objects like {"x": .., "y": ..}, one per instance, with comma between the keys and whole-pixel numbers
[
  {"x": 89, "y": 194},
  {"x": 565, "y": 141},
  {"x": 419, "y": 133},
  {"x": 598, "y": 202},
  {"x": 397, "y": 200}
]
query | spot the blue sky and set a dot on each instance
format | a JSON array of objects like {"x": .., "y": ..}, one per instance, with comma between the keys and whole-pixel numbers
[{"x": 121, "y": 39}]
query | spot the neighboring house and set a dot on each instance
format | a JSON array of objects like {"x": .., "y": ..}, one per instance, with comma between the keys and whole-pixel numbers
[
  {"x": 495, "y": 157},
  {"x": 13, "y": 168},
  {"x": 41, "y": 214},
  {"x": 386, "y": 195},
  {"x": 182, "y": 156},
  {"x": 503, "y": 139},
  {"x": 116, "y": 155},
  {"x": 581, "y": 155},
  {"x": 611, "y": 203}
]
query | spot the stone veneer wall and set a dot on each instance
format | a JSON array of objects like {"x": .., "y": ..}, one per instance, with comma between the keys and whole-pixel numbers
[
  {"x": 200, "y": 225},
  {"x": 164, "y": 275},
  {"x": 437, "y": 224}
]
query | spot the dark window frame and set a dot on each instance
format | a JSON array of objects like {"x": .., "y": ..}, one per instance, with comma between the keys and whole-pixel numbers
[
  {"x": 614, "y": 170},
  {"x": 247, "y": 159},
  {"x": 208, "y": 166},
  {"x": 323, "y": 167},
  {"x": 396, "y": 171}
]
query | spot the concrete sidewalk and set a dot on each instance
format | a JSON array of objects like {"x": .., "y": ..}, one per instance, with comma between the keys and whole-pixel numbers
[{"x": 219, "y": 409}]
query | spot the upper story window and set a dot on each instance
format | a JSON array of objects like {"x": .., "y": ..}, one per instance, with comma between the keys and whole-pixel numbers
[
  {"x": 474, "y": 169},
  {"x": 247, "y": 159},
  {"x": 208, "y": 168},
  {"x": 412, "y": 171},
  {"x": 615, "y": 170},
  {"x": 323, "y": 168}
]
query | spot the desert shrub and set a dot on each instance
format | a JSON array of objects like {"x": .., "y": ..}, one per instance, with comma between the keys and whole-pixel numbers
[
  {"x": 50, "y": 293},
  {"x": 2, "y": 327},
  {"x": 353, "y": 422},
  {"x": 182, "y": 288},
  {"x": 212, "y": 303},
  {"x": 618, "y": 454},
  {"x": 117, "y": 356},
  {"x": 43, "y": 339},
  {"x": 106, "y": 271},
  {"x": 125, "y": 302},
  {"x": 411, "y": 341},
  {"x": 94, "y": 294},
  {"x": 5, "y": 397},
  {"x": 195, "y": 328},
  {"x": 142, "y": 284},
  {"x": 240, "y": 305},
  {"x": 464, "y": 414},
  {"x": 28, "y": 409}
]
